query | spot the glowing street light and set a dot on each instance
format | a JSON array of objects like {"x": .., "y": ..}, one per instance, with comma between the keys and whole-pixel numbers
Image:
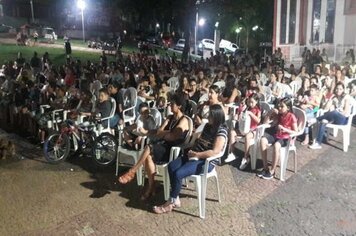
[
  {"x": 201, "y": 22},
  {"x": 81, "y": 5},
  {"x": 217, "y": 24},
  {"x": 255, "y": 28}
]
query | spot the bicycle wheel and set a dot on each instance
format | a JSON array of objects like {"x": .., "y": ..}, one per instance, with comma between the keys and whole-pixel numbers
[
  {"x": 104, "y": 150},
  {"x": 56, "y": 148}
]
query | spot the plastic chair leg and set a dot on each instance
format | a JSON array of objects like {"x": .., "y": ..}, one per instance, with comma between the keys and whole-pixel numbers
[
  {"x": 346, "y": 140},
  {"x": 283, "y": 163},
  {"x": 217, "y": 187},
  {"x": 166, "y": 184}
]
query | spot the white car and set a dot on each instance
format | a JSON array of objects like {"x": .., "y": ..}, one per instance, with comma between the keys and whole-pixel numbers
[
  {"x": 180, "y": 44},
  {"x": 227, "y": 46},
  {"x": 207, "y": 44},
  {"x": 49, "y": 34}
]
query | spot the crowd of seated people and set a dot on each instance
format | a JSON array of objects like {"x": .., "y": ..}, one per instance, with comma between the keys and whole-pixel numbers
[{"x": 221, "y": 87}]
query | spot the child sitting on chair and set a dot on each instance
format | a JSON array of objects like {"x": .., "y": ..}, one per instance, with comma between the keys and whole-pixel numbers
[
  {"x": 133, "y": 134},
  {"x": 103, "y": 107}
]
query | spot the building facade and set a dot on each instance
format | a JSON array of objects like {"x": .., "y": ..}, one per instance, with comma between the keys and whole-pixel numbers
[{"x": 329, "y": 24}]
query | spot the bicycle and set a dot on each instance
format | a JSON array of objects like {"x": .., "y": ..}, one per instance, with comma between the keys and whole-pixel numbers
[{"x": 83, "y": 138}]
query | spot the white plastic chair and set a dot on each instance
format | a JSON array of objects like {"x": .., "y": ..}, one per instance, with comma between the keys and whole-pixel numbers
[
  {"x": 129, "y": 106},
  {"x": 220, "y": 84},
  {"x": 267, "y": 92},
  {"x": 203, "y": 98},
  {"x": 162, "y": 169},
  {"x": 135, "y": 154},
  {"x": 201, "y": 181},
  {"x": 265, "y": 107},
  {"x": 346, "y": 129},
  {"x": 284, "y": 152},
  {"x": 173, "y": 83},
  {"x": 106, "y": 129},
  {"x": 295, "y": 86}
]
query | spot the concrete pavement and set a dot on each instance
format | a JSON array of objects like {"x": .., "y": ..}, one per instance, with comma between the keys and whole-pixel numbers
[{"x": 74, "y": 198}]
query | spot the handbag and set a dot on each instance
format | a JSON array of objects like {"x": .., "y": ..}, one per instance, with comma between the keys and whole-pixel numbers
[{"x": 244, "y": 123}]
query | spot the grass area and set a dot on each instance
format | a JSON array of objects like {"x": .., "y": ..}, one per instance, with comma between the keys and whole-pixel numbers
[
  {"x": 57, "y": 55},
  {"x": 74, "y": 42}
]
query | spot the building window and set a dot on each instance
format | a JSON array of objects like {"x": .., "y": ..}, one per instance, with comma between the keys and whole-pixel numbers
[
  {"x": 316, "y": 21},
  {"x": 330, "y": 21},
  {"x": 292, "y": 20},
  {"x": 350, "y": 7},
  {"x": 282, "y": 39}
]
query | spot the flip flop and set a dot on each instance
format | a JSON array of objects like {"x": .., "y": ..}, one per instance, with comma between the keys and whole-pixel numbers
[{"x": 127, "y": 177}]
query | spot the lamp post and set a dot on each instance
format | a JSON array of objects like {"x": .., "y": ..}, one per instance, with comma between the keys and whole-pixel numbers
[
  {"x": 32, "y": 13},
  {"x": 238, "y": 30},
  {"x": 81, "y": 6},
  {"x": 199, "y": 22}
]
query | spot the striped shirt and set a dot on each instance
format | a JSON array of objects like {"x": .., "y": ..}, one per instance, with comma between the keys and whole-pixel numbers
[{"x": 207, "y": 138}]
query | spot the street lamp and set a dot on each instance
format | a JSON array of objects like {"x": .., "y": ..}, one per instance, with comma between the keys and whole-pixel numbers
[
  {"x": 255, "y": 28},
  {"x": 238, "y": 30},
  {"x": 81, "y": 5},
  {"x": 32, "y": 13},
  {"x": 199, "y": 22}
]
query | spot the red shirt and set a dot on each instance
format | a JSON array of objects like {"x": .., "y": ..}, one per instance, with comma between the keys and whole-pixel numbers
[
  {"x": 69, "y": 80},
  {"x": 286, "y": 120},
  {"x": 256, "y": 111}
]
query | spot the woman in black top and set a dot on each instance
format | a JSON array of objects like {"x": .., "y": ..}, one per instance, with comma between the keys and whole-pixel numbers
[{"x": 173, "y": 132}]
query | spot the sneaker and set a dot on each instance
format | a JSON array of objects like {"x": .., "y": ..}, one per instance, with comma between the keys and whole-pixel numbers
[
  {"x": 315, "y": 146},
  {"x": 261, "y": 173},
  {"x": 231, "y": 157},
  {"x": 267, "y": 175},
  {"x": 244, "y": 163}
]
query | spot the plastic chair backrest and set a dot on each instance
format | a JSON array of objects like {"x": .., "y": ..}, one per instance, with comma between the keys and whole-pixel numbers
[
  {"x": 130, "y": 100},
  {"x": 268, "y": 93},
  {"x": 156, "y": 116},
  {"x": 113, "y": 107},
  {"x": 265, "y": 107},
  {"x": 220, "y": 84},
  {"x": 173, "y": 83},
  {"x": 302, "y": 119},
  {"x": 189, "y": 134},
  {"x": 193, "y": 107},
  {"x": 203, "y": 98},
  {"x": 295, "y": 86}
]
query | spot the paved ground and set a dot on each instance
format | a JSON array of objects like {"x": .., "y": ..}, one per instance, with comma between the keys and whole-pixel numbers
[{"x": 74, "y": 198}]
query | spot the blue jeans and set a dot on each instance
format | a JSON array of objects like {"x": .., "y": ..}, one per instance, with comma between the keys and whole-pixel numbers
[
  {"x": 309, "y": 114},
  {"x": 333, "y": 117},
  {"x": 114, "y": 120},
  {"x": 181, "y": 168}
]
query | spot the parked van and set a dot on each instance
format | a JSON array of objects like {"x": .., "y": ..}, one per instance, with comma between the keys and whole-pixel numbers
[
  {"x": 48, "y": 35},
  {"x": 227, "y": 46}
]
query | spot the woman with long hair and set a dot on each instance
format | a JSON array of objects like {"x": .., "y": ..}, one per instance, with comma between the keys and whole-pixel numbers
[{"x": 210, "y": 143}]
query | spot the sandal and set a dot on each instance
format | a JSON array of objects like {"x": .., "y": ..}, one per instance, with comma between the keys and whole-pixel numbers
[
  {"x": 165, "y": 208},
  {"x": 127, "y": 177}
]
